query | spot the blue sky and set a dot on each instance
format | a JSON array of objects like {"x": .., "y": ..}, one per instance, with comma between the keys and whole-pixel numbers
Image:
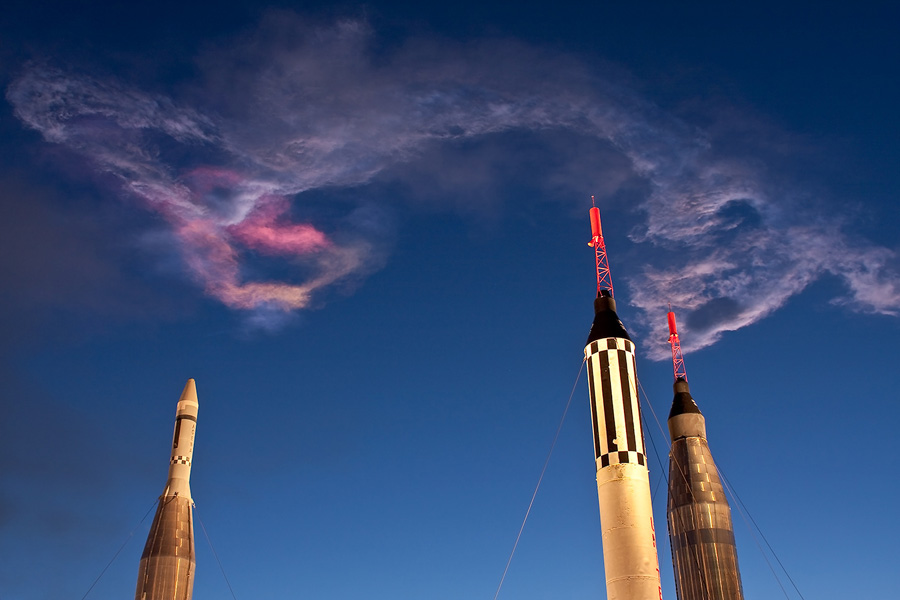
[{"x": 362, "y": 229}]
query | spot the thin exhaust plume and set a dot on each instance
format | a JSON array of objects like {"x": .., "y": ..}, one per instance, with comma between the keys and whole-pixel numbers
[{"x": 291, "y": 112}]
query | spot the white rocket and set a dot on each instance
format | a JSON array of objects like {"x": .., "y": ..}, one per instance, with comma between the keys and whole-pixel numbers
[
  {"x": 623, "y": 482},
  {"x": 167, "y": 565}
]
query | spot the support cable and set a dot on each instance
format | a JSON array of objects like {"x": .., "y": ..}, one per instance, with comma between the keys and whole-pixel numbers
[
  {"x": 665, "y": 434},
  {"x": 122, "y": 547},
  {"x": 662, "y": 467},
  {"x": 761, "y": 551},
  {"x": 540, "y": 479},
  {"x": 696, "y": 556},
  {"x": 216, "y": 554},
  {"x": 742, "y": 508}
]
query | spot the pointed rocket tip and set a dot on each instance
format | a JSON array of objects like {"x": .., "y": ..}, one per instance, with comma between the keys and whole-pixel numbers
[
  {"x": 606, "y": 322},
  {"x": 190, "y": 392},
  {"x": 683, "y": 402}
]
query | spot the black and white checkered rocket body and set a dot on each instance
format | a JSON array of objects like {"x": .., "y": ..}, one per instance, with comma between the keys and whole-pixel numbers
[
  {"x": 704, "y": 554},
  {"x": 167, "y": 565},
  {"x": 623, "y": 483}
]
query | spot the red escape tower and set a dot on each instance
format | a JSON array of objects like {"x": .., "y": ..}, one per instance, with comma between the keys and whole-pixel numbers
[
  {"x": 677, "y": 356},
  {"x": 604, "y": 279}
]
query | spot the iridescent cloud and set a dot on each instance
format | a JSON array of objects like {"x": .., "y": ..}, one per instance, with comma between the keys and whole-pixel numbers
[{"x": 295, "y": 108}]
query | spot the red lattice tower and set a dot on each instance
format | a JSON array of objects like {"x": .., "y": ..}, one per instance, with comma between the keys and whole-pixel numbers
[
  {"x": 677, "y": 356},
  {"x": 604, "y": 279}
]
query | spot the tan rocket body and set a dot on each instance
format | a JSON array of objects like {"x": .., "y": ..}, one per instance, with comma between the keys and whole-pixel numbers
[
  {"x": 167, "y": 565},
  {"x": 623, "y": 482},
  {"x": 703, "y": 550}
]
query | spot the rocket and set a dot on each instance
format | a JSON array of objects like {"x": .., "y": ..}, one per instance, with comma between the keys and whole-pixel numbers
[
  {"x": 166, "y": 569},
  {"x": 623, "y": 482},
  {"x": 704, "y": 554}
]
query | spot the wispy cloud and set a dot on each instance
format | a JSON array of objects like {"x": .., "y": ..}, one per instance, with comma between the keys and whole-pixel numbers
[{"x": 292, "y": 108}]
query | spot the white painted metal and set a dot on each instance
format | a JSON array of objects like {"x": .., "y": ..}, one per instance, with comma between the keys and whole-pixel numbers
[
  {"x": 623, "y": 487},
  {"x": 178, "y": 483}
]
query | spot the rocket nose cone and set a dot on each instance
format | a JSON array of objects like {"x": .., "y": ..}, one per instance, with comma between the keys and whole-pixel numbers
[
  {"x": 189, "y": 394},
  {"x": 606, "y": 322},
  {"x": 683, "y": 402},
  {"x": 685, "y": 418}
]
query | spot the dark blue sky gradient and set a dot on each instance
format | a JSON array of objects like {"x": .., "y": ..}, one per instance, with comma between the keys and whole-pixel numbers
[{"x": 384, "y": 441}]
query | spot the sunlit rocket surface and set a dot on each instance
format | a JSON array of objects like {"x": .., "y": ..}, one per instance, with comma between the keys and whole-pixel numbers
[
  {"x": 704, "y": 554},
  {"x": 623, "y": 483},
  {"x": 167, "y": 565}
]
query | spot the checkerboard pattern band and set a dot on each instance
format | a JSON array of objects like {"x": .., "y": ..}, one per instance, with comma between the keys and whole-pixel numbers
[{"x": 180, "y": 460}]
